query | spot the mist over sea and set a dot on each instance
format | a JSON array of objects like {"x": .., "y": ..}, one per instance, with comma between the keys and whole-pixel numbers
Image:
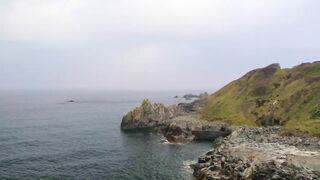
[{"x": 42, "y": 136}]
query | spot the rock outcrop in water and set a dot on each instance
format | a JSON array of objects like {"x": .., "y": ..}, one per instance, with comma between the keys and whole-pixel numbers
[
  {"x": 260, "y": 153},
  {"x": 178, "y": 123},
  {"x": 149, "y": 115}
]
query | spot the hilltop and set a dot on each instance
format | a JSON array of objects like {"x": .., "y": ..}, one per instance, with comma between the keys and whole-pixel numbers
[{"x": 271, "y": 96}]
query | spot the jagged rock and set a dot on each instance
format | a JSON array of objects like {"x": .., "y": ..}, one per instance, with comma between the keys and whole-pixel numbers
[
  {"x": 178, "y": 123},
  {"x": 149, "y": 115}
]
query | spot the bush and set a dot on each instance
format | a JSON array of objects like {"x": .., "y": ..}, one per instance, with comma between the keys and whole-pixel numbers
[
  {"x": 315, "y": 113},
  {"x": 146, "y": 102},
  {"x": 173, "y": 125}
]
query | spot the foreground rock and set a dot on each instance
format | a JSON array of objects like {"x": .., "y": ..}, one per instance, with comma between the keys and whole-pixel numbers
[{"x": 260, "y": 153}]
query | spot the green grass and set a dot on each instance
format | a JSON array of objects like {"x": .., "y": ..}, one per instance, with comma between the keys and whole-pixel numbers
[{"x": 250, "y": 98}]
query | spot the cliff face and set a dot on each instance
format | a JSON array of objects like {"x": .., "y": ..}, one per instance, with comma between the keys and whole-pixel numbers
[{"x": 271, "y": 95}]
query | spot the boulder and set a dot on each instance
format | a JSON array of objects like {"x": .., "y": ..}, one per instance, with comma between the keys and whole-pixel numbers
[{"x": 175, "y": 134}]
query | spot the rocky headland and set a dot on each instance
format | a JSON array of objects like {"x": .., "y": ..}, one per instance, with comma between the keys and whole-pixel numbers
[
  {"x": 238, "y": 152},
  {"x": 177, "y": 123},
  {"x": 281, "y": 108}
]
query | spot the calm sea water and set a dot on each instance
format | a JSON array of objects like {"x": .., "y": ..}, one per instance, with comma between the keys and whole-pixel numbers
[{"x": 43, "y": 137}]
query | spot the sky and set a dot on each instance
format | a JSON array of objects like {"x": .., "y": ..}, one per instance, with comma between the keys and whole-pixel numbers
[{"x": 150, "y": 44}]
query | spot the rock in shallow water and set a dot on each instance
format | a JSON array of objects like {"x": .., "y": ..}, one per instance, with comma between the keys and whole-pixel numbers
[{"x": 178, "y": 123}]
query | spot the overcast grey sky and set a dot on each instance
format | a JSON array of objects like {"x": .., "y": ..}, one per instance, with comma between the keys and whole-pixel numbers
[{"x": 150, "y": 44}]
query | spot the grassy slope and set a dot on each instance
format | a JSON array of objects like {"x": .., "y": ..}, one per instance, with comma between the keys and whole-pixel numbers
[{"x": 250, "y": 98}]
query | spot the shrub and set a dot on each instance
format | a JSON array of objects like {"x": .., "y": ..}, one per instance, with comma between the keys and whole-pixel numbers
[
  {"x": 146, "y": 102},
  {"x": 315, "y": 113}
]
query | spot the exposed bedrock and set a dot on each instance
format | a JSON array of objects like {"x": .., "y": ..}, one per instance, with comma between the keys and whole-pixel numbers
[
  {"x": 261, "y": 154},
  {"x": 149, "y": 115}
]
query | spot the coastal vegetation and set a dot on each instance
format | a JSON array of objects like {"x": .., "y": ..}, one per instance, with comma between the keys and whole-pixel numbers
[
  {"x": 285, "y": 101},
  {"x": 288, "y": 97}
]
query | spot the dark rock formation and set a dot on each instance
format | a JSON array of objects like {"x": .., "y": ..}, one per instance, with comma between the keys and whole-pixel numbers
[
  {"x": 210, "y": 133},
  {"x": 260, "y": 153},
  {"x": 175, "y": 134}
]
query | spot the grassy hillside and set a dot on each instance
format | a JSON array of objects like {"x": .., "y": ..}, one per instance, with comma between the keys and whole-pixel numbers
[{"x": 290, "y": 97}]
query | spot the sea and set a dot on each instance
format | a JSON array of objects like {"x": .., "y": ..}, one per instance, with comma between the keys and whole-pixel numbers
[{"x": 43, "y": 136}]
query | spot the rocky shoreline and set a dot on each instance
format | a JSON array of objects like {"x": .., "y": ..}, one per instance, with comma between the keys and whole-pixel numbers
[
  {"x": 260, "y": 153},
  {"x": 238, "y": 152}
]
